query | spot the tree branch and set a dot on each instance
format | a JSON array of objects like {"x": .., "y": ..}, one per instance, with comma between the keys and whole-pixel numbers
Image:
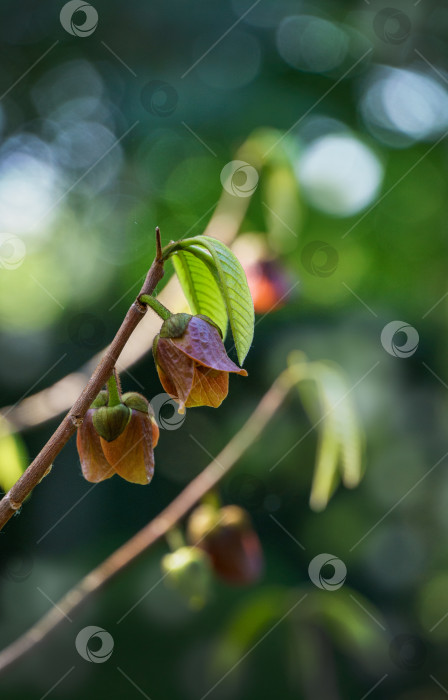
[
  {"x": 13, "y": 500},
  {"x": 159, "y": 526}
]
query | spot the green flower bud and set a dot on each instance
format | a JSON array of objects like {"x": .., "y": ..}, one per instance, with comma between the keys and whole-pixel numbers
[
  {"x": 136, "y": 401},
  {"x": 110, "y": 421},
  {"x": 101, "y": 400},
  {"x": 175, "y": 326},
  {"x": 188, "y": 571}
]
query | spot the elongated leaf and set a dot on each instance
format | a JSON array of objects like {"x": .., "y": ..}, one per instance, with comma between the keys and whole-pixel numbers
[
  {"x": 248, "y": 624},
  {"x": 200, "y": 288},
  {"x": 339, "y": 451},
  {"x": 349, "y": 629},
  {"x": 234, "y": 289},
  {"x": 282, "y": 209}
]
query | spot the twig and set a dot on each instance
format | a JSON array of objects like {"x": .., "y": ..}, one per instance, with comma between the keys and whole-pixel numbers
[
  {"x": 159, "y": 526},
  {"x": 13, "y": 500},
  {"x": 54, "y": 400}
]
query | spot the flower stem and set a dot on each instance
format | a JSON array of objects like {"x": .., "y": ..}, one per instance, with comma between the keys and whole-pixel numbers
[
  {"x": 113, "y": 384},
  {"x": 12, "y": 501},
  {"x": 156, "y": 306},
  {"x": 213, "y": 499},
  {"x": 131, "y": 550},
  {"x": 175, "y": 539}
]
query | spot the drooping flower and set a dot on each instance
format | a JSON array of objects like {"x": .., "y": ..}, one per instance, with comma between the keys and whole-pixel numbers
[
  {"x": 227, "y": 535},
  {"x": 191, "y": 361},
  {"x": 130, "y": 450}
]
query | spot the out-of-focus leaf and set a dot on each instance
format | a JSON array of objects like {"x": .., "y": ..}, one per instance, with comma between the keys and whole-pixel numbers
[
  {"x": 281, "y": 208},
  {"x": 200, "y": 288},
  {"x": 353, "y": 623},
  {"x": 13, "y": 458},
  {"x": 339, "y": 451},
  {"x": 258, "y": 614}
]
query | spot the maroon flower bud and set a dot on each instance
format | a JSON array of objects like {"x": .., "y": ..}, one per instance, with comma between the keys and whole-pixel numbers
[
  {"x": 229, "y": 539},
  {"x": 269, "y": 285},
  {"x": 131, "y": 454},
  {"x": 192, "y": 363}
]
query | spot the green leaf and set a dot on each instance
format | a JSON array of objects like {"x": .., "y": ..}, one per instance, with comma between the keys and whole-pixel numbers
[
  {"x": 200, "y": 288},
  {"x": 232, "y": 282},
  {"x": 340, "y": 444},
  {"x": 350, "y": 629},
  {"x": 13, "y": 457},
  {"x": 247, "y": 625},
  {"x": 282, "y": 210}
]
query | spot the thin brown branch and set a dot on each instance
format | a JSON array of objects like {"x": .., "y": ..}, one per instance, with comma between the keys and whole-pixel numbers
[
  {"x": 54, "y": 400},
  {"x": 168, "y": 518},
  {"x": 13, "y": 500}
]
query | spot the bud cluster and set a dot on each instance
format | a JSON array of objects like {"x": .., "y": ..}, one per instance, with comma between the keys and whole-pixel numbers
[{"x": 118, "y": 439}]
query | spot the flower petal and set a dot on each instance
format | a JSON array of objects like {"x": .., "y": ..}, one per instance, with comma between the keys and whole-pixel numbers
[
  {"x": 155, "y": 431},
  {"x": 202, "y": 342},
  {"x": 210, "y": 387},
  {"x": 131, "y": 454},
  {"x": 94, "y": 465},
  {"x": 237, "y": 557},
  {"x": 175, "y": 370}
]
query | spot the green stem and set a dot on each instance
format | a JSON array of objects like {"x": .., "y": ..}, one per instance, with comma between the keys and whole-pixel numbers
[
  {"x": 114, "y": 391},
  {"x": 175, "y": 539},
  {"x": 212, "y": 498},
  {"x": 156, "y": 306}
]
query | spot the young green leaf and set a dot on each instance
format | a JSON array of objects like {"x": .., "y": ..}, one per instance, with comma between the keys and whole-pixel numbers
[
  {"x": 231, "y": 278},
  {"x": 200, "y": 288},
  {"x": 339, "y": 450}
]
